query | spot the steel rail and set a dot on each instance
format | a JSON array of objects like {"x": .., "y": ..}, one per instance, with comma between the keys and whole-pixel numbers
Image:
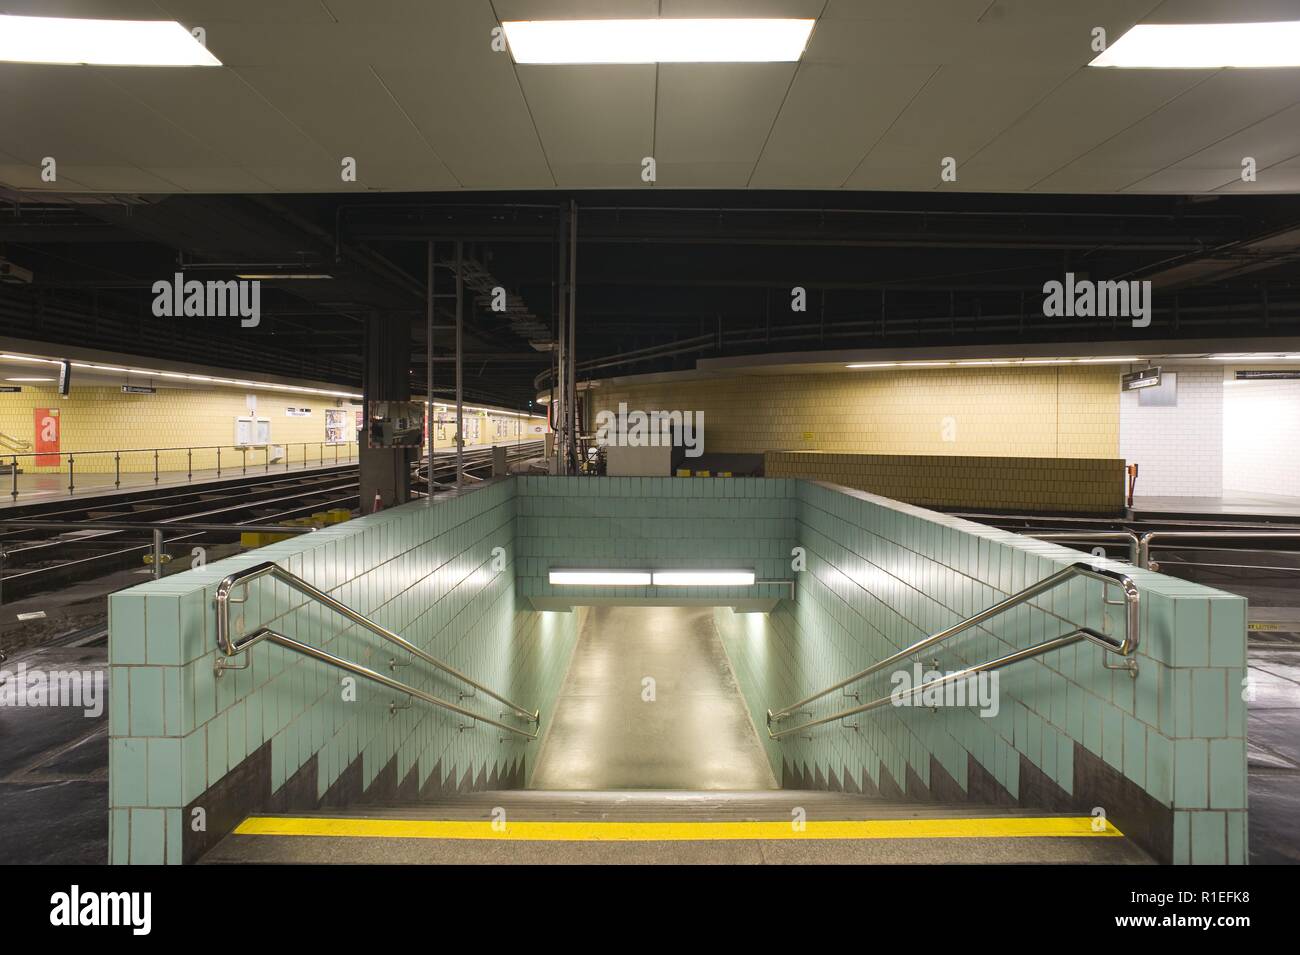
[
  {"x": 1124, "y": 648},
  {"x": 231, "y": 646},
  {"x": 1047, "y": 646}
]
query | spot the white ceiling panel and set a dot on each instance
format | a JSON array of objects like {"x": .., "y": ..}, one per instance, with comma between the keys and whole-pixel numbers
[
  {"x": 1088, "y": 109},
  {"x": 1225, "y": 104},
  {"x": 592, "y": 115},
  {"x": 717, "y": 112},
  {"x": 886, "y": 89},
  {"x": 834, "y": 114}
]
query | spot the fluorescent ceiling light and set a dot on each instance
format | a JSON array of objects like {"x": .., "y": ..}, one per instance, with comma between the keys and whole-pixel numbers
[
  {"x": 1205, "y": 46},
  {"x": 273, "y": 276},
  {"x": 600, "y": 578},
  {"x": 29, "y": 379},
  {"x": 994, "y": 363},
  {"x": 100, "y": 42},
  {"x": 703, "y": 578},
  {"x": 657, "y": 41}
]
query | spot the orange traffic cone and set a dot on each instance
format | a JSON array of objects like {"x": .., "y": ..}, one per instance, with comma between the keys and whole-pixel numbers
[{"x": 378, "y": 505}]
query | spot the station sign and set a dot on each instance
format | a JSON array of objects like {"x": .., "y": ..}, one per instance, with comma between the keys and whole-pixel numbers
[
  {"x": 1137, "y": 380},
  {"x": 1268, "y": 374},
  {"x": 10, "y": 389},
  {"x": 139, "y": 390}
]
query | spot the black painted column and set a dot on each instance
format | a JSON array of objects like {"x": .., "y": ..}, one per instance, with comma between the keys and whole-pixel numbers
[{"x": 387, "y": 378}]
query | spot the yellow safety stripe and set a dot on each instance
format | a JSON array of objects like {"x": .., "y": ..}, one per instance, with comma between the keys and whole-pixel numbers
[{"x": 1004, "y": 827}]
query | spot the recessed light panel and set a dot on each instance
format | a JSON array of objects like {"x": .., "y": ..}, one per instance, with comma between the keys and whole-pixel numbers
[
  {"x": 657, "y": 41},
  {"x": 100, "y": 42},
  {"x": 600, "y": 578},
  {"x": 1205, "y": 46},
  {"x": 703, "y": 578}
]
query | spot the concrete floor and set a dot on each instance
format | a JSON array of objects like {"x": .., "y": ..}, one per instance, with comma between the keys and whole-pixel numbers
[
  {"x": 696, "y": 734},
  {"x": 1244, "y": 503},
  {"x": 54, "y": 772}
]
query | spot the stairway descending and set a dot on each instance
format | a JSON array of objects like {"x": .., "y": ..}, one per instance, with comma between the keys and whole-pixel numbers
[{"x": 759, "y": 827}]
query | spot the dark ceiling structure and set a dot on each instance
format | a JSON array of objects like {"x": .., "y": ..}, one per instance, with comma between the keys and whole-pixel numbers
[{"x": 663, "y": 278}]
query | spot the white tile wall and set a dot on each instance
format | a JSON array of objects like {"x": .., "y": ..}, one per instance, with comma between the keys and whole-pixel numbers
[
  {"x": 1261, "y": 448},
  {"x": 1179, "y": 449}
]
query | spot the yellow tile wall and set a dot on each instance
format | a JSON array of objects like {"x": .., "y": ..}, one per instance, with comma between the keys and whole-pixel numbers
[
  {"x": 103, "y": 418},
  {"x": 1040, "y": 411}
]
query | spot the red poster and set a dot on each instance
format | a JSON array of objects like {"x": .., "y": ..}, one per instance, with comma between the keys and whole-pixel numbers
[{"x": 47, "y": 437}]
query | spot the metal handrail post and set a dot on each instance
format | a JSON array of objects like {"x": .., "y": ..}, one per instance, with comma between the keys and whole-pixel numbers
[
  {"x": 1126, "y": 648},
  {"x": 1047, "y": 646},
  {"x": 229, "y": 646},
  {"x": 1144, "y": 546},
  {"x": 1130, "y": 538},
  {"x": 157, "y": 553}
]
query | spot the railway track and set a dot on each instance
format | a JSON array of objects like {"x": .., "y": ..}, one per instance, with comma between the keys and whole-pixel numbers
[{"x": 36, "y": 561}]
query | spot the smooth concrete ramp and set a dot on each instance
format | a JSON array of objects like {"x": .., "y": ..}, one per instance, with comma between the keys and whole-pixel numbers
[
  {"x": 770, "y": 827},
  {"x": 650, "y": 702}
]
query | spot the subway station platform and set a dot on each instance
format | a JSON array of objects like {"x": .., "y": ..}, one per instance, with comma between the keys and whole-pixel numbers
[
  {"x": 53, "y": 487},
  {"x": 1229, "y": 506}
]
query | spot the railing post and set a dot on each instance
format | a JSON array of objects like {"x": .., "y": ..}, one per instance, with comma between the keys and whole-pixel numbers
[
  {"x": 244, "y": 452},
  {"x": 336, "y": 454},
  {"x": 218, "y": 460},
  {"x": 189, "y": 465},
  {"x": 321, "y": 449},
  {"x": 117, "y": 469},
  {"x": 157, "y": 553},
  {"x": 155, "y": 465},
  {"x": 71, "y": 484},
  {"x": 14, "y": 472}
]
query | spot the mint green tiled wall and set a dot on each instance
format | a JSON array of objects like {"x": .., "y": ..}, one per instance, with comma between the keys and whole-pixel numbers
[
  {"x": 882, "y": 575},
  {"x": 654, "y": 523},
  {"x": 424, "y": 571}
]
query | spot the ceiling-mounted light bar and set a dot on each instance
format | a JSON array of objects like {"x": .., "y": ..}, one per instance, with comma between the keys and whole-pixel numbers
[
  {"x": 282, "y": 276},
  {"x": 600, "y": 578},
  {"x": 703, "y": 578},
  {"x": 657, "y": 41},
  {"x": 993, "y": 362},
  {"x": 1205, "y": 46},
  {"x": 65, "y": 40}
]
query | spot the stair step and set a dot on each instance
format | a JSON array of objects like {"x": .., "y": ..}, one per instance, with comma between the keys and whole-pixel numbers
[
  {"x": 683, "y": 827},
  {"x": 775, "y": 805}
]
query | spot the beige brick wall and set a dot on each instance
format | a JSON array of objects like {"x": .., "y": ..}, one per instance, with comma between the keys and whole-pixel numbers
[
  {"x": 1074, "y": 485},
  {"x": 1040, "y": 411}
]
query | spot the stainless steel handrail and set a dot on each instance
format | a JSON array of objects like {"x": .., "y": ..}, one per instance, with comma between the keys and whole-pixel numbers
[
  {"x": 1047, "y": 646},
  {"x": 231, "y": 646},
  {"x": 1128, "y": 537},
  {"x": 1125, "y": 648},
  {"x": 1144, "y": 544}
]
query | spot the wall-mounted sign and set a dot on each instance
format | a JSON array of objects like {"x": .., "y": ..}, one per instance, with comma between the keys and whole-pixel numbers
[
  {"x": 139, "y": 390},
  {"x": 10, "y": 389},
  {"x": 46, "y": 430},
  {"x": 297, "y": 412},
  {"x": 337, "y": 430},
  {"x": 1137, "y": 380},
  {"x": 1264, "y": 374}
]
